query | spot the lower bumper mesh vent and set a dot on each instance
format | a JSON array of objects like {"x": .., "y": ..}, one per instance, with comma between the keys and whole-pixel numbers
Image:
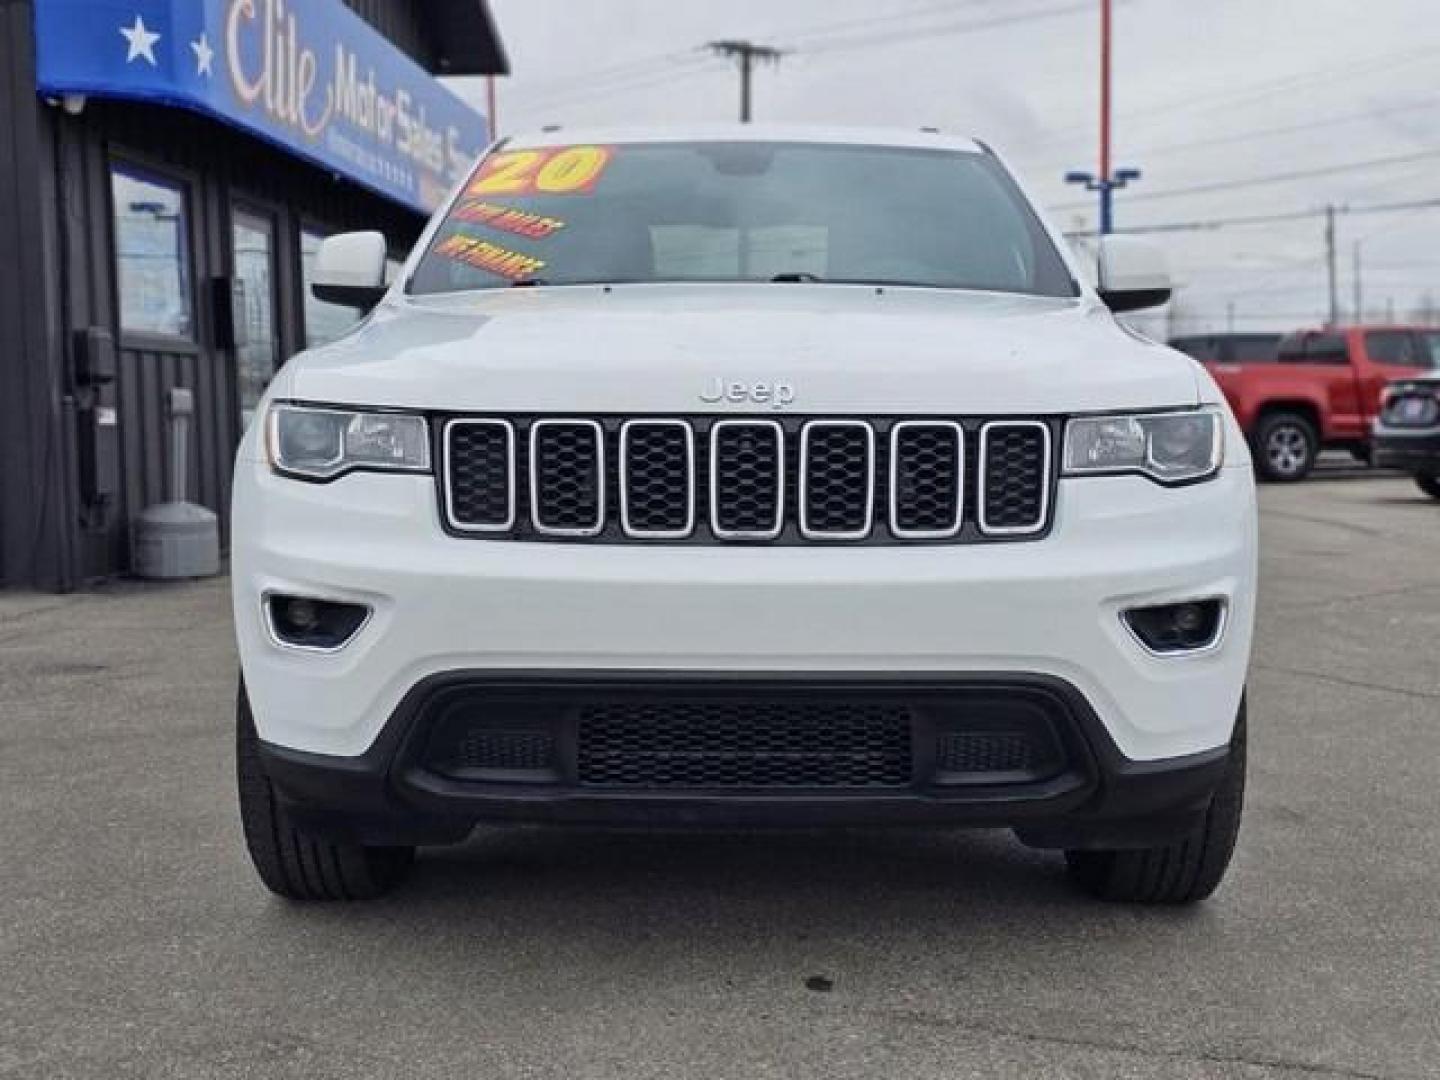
[{"x": 744, "y": 745}]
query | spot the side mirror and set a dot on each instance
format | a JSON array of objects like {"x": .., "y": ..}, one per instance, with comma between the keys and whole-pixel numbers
[
  {"x": 350, "y": 270},
  {"x": 1134, "y": 273}
]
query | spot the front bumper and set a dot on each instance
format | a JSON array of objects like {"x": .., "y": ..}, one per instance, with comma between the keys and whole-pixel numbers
[
  {"x": 1416, "y": 451},
  {"x": 1071, "y": 788},
  {"x": 442, "y": 604}
]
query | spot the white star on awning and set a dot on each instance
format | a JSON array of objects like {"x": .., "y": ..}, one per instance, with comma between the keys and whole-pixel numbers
[
  {"x": 142, "y": 42},
  {"x": 204, "y": 55}
]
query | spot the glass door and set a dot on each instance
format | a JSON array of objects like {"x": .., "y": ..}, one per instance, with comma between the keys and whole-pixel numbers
[{"x": 257, "y": 350}]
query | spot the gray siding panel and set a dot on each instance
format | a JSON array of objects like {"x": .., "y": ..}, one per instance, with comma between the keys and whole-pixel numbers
[
  {"x": 58, "y": 277},
  {"x": 220, "y": 167},
  {"x": 36, "y": 493}
]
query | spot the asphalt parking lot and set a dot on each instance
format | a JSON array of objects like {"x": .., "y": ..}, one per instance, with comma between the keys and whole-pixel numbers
[{"x": 135, "y": 941}]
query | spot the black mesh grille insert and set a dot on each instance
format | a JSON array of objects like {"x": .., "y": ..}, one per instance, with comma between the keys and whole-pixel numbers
[
  {"x": 658, "y": 477},
  {"x": 927, "y": 477},
  {"x": 748, "y": 487},
  {"x": 566, "y": 471},
  {"x": 677, "y": 744},
  {"x": 839, "y": 475},
  {"x": 480, "y": 474},
  {"x": 1015, "y": 474},
  {"x": 989, "y": 752},
  {"x": 518, "y": 750}
]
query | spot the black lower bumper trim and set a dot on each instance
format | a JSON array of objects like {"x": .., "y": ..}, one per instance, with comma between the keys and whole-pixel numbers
[
  {"x": 1098, "y": 797},
  {"x": 1413, "y": 453}
]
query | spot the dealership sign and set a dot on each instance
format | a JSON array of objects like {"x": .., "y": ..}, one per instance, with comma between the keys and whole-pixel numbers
[{"x": 308, "y": 75}]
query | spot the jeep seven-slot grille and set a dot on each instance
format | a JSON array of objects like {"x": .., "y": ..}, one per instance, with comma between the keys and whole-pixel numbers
[{"x": 747, "y": 480}]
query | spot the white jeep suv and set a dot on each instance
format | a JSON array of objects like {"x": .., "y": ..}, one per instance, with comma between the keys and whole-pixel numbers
[{"x": 742, "y": 477}]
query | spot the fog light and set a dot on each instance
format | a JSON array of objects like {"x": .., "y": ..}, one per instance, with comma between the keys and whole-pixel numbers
[
  {"x": 304, "y": 622},
  {"x": 300, "y": 614},
  {"x": 1177, "y": 628}
]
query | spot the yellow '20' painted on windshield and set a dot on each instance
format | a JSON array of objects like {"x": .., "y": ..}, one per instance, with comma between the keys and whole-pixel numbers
[{"x": 568, "y": 170}]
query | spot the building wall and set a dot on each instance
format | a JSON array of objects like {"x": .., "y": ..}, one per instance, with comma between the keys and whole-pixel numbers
[
  {"x": 58, "y": 278},
  {"x": 403, "y": 23},
  {"x": 33, "y": 492},
  {"x": 220, "y": 168}
]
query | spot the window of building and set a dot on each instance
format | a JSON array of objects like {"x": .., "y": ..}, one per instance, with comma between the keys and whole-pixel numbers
[
  {"x": 152, "y": 253},
  {"x": 258, "y": 352}
]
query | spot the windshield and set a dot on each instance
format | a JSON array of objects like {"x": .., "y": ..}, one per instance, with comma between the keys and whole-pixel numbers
[{"x": 724, "y": 212}]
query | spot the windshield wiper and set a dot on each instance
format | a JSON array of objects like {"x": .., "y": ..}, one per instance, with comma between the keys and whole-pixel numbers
[
  {"x": 797, "y": 277},
  {"x": 528, "y": 282}
]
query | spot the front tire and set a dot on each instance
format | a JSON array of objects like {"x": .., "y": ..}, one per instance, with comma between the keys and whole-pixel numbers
[
  {"x": 1182, "y": 872},
  {"x": 1428, "y": 483},
  {"x": 295, "y": 864},
  {"x": 1286, "y": 446}
]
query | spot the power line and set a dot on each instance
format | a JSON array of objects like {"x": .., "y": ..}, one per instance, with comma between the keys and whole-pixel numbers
[
  {"x": 867, "y": 41},
  {"x": 1259, "y": 287},
  {"x": 1211, "y": 224},
  {"x": 1165, "y": 110},
  {"x": 639, "y": 64},
  {"x": 824, "y": 30},
  {"x": 649, "y": 66},
  {"x": 703, "y": 65},
  {"x": 643, "y": 73},
  {"x": 1272, "y": 178},
  {"x": 679, "y": 66},
  {"x": 1365, "y": 116}
]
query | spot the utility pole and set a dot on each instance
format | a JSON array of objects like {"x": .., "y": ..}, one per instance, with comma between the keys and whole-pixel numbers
[
  {"x": 1330, "y": 264},
  {"x": 491, "y": 107},
  {"x": 1359, "y": 288},
  {"x": 748, "y": 55},
  {"x": 1230, "y": 316},
  {"x": 1105, "y": 181}
]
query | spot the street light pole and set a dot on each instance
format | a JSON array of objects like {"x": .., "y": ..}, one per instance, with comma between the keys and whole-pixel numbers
[
  {"x": 1107, "y": 181},
  {"x": 1107, "y": 218}
]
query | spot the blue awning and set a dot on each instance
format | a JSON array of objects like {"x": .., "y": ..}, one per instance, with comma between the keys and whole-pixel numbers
[{"x": 307, "y": 75}]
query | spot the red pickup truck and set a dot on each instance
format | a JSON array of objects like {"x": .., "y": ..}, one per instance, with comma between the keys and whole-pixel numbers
[{"x": 1317, "y": 388}]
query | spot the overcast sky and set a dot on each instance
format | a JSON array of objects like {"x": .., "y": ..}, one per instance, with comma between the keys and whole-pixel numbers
[{"x": 1208, "y": 92}]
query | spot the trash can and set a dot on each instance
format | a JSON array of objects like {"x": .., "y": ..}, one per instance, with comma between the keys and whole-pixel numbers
[{"x": 177, "y": 539}]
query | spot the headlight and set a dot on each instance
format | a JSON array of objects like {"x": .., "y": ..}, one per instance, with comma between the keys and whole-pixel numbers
[
  {"x": 1410, "y": 406},
  {"x": 321, "y": 443},
  {"x": 1173, "y": 448}
]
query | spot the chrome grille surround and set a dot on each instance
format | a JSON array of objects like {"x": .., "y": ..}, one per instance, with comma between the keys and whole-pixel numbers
[
  {"x": 717, "y": 431},
  {"x": 1042, "y": 517},
  {"x": 958, "y": 433},
  {"x": 537, "y": 429},
  {"x": 447, "y": 442},
  {"x": 627, "y": 429},
  {"x": 806, "y": 433}
]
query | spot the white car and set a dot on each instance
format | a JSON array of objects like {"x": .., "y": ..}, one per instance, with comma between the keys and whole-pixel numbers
[{"x": 734, "y": 477}]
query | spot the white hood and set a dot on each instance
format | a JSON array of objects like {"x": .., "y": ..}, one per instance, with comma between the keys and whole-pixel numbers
[{"x": 657, "y": 348}]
